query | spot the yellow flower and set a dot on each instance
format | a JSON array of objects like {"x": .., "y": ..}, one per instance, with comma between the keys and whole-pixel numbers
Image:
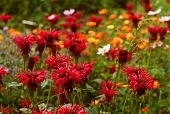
[
  {"x": 92, "y": 40},
  {"x": 60, "y": 43},
  {"x": 102, "y": 12},
  {"x": 125, "y": 86},
  {"x": 110, "y": 27},
  {"x": 126, "y": 22},
  {"x": 1, "y": 38}
]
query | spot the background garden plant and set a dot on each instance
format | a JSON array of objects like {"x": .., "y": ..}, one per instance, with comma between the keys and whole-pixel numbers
[{"x": 107, "y": 59}]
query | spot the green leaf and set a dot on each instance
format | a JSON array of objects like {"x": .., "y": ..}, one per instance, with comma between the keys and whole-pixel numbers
[
  {"x": 44, "y": 84},
  {"x": 93, "y": 110},
  {"x": 25, "y": 110},
  {"x": 90, "y": 88},
  {"x": 13, "y": 84},
  {"x": 98, "y": 80}
]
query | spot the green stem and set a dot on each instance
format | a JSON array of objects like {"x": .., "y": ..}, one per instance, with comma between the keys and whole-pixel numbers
[
  {"x": 149, "y": 56},
  {"x": 123, "y": 110},
  {"x": 49, "y": 92},
  {"x": 117, "y": 74},
  {"x": 137, "y": 105}
]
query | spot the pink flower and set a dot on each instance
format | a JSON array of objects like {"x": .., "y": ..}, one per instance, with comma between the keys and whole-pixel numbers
[
  {"x": 31, "y": 79},
  {"x": 108, "y": 89},
  {"x": 24, "y": 44},
  {"x": 69, "y": 12},
  {"x": 139, "y": 80}
]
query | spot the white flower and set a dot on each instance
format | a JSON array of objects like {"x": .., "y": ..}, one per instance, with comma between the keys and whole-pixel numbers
[
  {"x": 69, "y": 12},
  {"x": 51, "y": 17},
  {"x": 154, "y": 12},
  {"x": 164, "y": 18},
  {"x": 104, "y": 50}
]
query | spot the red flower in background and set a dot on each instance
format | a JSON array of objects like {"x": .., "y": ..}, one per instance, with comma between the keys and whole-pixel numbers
[
  {"x": 31, "y": 79},
  {"x": 24, "y": 44},
  {"x": 147, "y": 7},
  {"x": 135, "y": 19},
  {"x": 139, "y": 80},
  {"x": 124, "y": 56},
  {"x": 153, "y": 32},
  {"x": 98, "y": 20},
  {"x": 112, "y": 69},
  {"x": 129, "y": 7},
  {"x": 70, "y": 22},
  {"x": 31, "y": 62},
  {"x": 53, "y": 18},
  {"x": 163, "y": 32},
  {"x": 55, "y": 62},
  {"x": 25, "y": 103},
  {"x": 50, "y": 36},
  {"x": 3, "y": 71},
  {"x": 75, "y": 44},
  {"x": 74, "y": 109},
  {"x": 5, "y": 18},
  {"x": 108, "y": 89},
  {"x": 41, "y": 44}
]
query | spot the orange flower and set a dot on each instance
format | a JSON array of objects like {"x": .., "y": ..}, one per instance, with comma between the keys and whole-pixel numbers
[
  {"x": 102, "y": 12},
  {"x": 129, "y": 36},
  {"x": 14, "y": 34},
  {"x": 91, "y": 33},
  {"x": 156, "y": 84},
  {"x": 143, "y": 31},
  {"x": 91, "y": 24},
  {"x": 86, "y": 52},
  {"x": 118, "y": 84},
  {"x": 82, "y": 37},
  {"x": 112, "y": 16},
  {"x": 122, "y": 36},
  {"x": 100, "y": 35},
  {"x": 143, "y": 43},
  {"x": 116, "y": 41},
  {"x": 145, "y": 110},
  {"x": 124, "y": 16},
  {"x": 11, "y": 30},
  {"x": 36, "y": 31}
]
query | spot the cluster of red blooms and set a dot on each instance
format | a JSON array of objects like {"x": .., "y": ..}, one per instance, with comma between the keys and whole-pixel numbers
[
  {"x": 75, "y": 44},
  {"x": 121, "y": 55},
  {"x": 24, "y": 44},
  {"x": 147, "y": 5},
  {"x": 108, "y": 89},
  {"x": 72, "y": 22},
  {"x": 95, "y": 19},
  {"x": 135, "y": 19},
  {"x": 31, "y": 79},
  {"x": 53, "y": 18},
  {"x": 155, "y": 30},
  {"x": 139, "y": 80},
  {"x": 5, "y": 18},
  {"x": 46, "y": 39},
  {"x": 65, "y": 74}
]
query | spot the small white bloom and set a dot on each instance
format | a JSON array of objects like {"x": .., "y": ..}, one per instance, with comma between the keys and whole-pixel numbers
[
  {"x": 154, "y": 12},
  {"x": 28, "y": 22},
  {"x": 104, "y": 50},
  {"x": 51, "y": 17},
  {"x": 164, "y": 18},
  {"x": 69, "y": 12}
]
